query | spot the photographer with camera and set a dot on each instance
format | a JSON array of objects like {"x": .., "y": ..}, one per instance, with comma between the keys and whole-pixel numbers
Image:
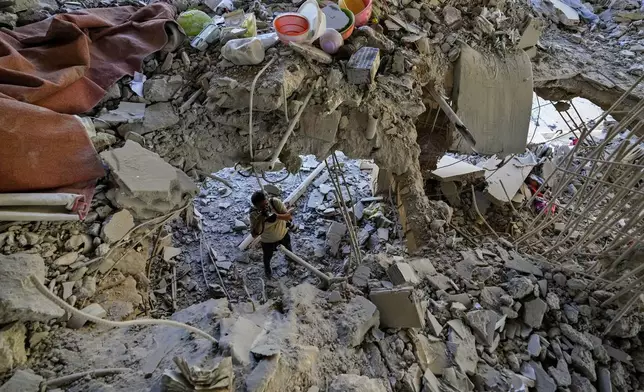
[{"x": 271, "y": 220}]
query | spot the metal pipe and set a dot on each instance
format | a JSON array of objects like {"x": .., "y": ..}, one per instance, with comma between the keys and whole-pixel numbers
[{"x": 38, "y": 199}]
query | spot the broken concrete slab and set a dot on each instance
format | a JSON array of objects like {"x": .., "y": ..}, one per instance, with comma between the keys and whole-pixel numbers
[
  {"x": 564, "y": 13},
  {"x": 162, "y": 89},
  {"x": 148, "y": 186},
  {"x": 117, "y": 226},
  {"x": 19, "y": 299},
  {"x": 530, "y": 34},
  {"x": 501, "y": 121},
  {"x": 402, "y": 274},
  {"x": 462, "y": 346},
  {"x": 159, "y": 116},
  {"x": 511, "y": 174},
  {"x": 533, "y": 312},
  {"x": 237, "y": 337},
  {"x": 127, "y": 112},
  {"x": 450, "y": 190},
  {"x": 432, "y": 355},
  {"x": 423, "y": 267},
  {"x": 483, "y": 323},
  {"x": 452, "y": 169},
  {"x": 399, "y": 308},
  {"x": 521, "y": 264},
  {"x": 363, "y": 315},
  {"x": 22, "y": 381}
]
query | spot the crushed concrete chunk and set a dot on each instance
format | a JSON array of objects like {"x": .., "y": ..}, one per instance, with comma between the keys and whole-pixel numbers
[
  {"x": 334, "y": 236},
  {"x": 355, "y": 383},
  {"x": 402, "y": 274},
  {"x": 12, "y": 346},
  {"x": 162, "y": 89},
  {"x": 560, "y": 374},
  {"x": 430, "y": 382},
  {"x": 483, "y": 323},
  {"x": 19, "y": 299},
  {"x": 534, "y": 311},
  {"x": 361, "y": 276},
  {"x": 576, "y": 337},
  {"x": 117, "y": 226},
  {"x": 22, "y": 381},
  {"x": 399, "y": 308},
  {"x": 582, "y": 361}
]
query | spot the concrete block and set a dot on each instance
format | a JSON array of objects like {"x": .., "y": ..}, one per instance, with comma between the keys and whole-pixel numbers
[
  {"x": 22, "y": 381},
  {"x": 399, "y": 308},
  {"x": 363, "y": 65},
  {"x": 402, "y": 274},
  {"x": 148, "y": 186},
  {"x": 501, "y": 121}
]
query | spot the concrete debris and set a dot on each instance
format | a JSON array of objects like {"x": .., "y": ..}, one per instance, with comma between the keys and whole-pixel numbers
[
  {"x": 170, "y": 252},
  {"x": 582, "y": 361},
  {"x": 534, "y": 345},
  {"x": 432, "y": 355},
  {"x": 399, "y": 308},
  {"x": 402, "y": 274},
  {"x": 451, "y": 169},
  {"x": 494, "y": 128},
  {"x": 461, "y": 345},
  {"x": 576, "y": 337},
  {"x": 534, "y": 311},
  {"x": 22, "y": 381},
  {"x": 363, "y": 316},
  {"x": 237, "y": 337},
  {"x": 19, "y": 299},
  {"x": 66, "y": 259},
  {"x": 354, "y": 383},
  {"x": 334, "y": 236},
  {"x": 159, "y": 116},
  {"x": 147, "y": 185},
  {"x": 423, "y": 267},
  {"x": 162, "y": 89},
  {"x": 519, "y": 287},
  {"x": 361, "y": 276},
  {"x": 511, "y": 174},
  {"x": 117, "y": 226},
  {"x": 483, "y": 323},
  {"x": 12, "y": 346},
  {"x": 543, "y": 381},
  {"x": 521, "y": 264},
  {"x": 560, "y": 373}
]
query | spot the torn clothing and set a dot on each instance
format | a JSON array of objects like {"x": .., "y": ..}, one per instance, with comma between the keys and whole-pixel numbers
[{"x": 264, "y": 223}]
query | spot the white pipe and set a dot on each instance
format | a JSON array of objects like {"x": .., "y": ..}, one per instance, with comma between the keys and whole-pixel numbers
[
  {"x": 29, "y": 216},
  {"x": 372, "y": 126},
  {"x": 38, "y": 199},
  {"x": 290, "y": 129}
]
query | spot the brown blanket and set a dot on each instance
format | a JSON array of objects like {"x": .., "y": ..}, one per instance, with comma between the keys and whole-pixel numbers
[{"x": 64, "y": 64}]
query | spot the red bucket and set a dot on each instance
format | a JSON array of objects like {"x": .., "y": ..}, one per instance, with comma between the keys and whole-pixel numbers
[{"x": 291, "y": 27}]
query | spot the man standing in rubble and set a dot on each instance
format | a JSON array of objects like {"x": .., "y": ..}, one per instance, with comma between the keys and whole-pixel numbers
[{"x": 270, "y": 220}]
